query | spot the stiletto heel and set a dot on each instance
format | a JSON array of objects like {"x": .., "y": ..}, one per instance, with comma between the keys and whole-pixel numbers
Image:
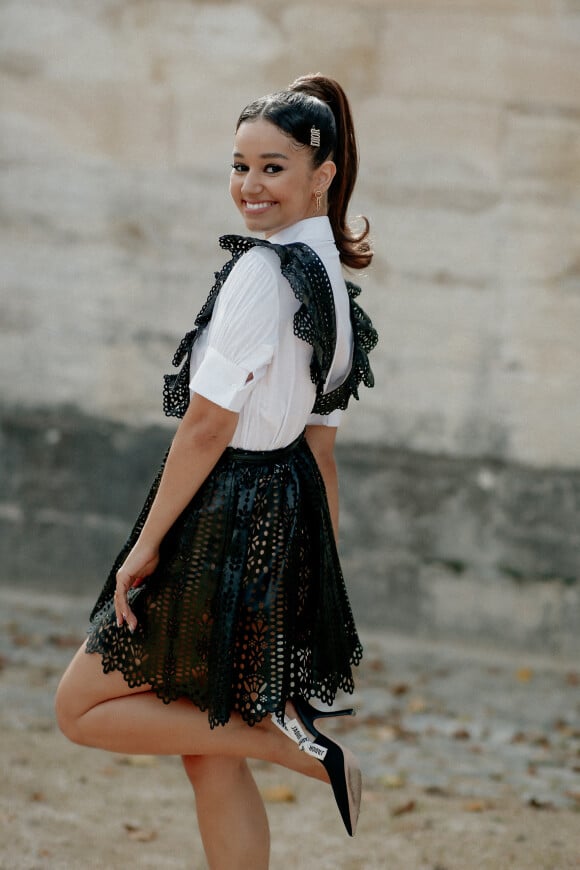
[
  {"x": 340, "y": 764},
  {"x": 310, "y": 713}
]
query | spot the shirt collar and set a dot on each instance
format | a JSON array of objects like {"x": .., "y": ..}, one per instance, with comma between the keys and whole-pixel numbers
[{"x": 315, "y": 229}]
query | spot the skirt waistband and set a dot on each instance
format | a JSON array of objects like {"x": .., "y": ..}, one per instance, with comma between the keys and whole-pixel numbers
[{"x": 264, "y": 456}]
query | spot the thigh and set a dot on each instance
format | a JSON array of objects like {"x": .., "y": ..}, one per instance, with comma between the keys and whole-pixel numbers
[{"x": 84, "y": 685}]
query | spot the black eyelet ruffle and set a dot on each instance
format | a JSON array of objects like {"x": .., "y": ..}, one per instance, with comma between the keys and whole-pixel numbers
[{"x": 314, "y": 322}]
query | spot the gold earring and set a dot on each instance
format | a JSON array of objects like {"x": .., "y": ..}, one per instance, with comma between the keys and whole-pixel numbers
[{"x": 318, "y": 197}]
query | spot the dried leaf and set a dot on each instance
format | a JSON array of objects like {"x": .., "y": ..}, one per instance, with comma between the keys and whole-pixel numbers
[
  {"x": 539, "y": 804},
  {"x": 573, "y": 679},
  {"x": 37, "y": 797},
  {"x": 21, "y": 639},
  {"x": 376, "y": 665},
  {"x": 564, "y": 728},
  {"x": 394, "y": 780},
  {"x": 138, "y": 834},
  {"x": 387, "y": 734},
  {"x": 462, "y": 734},
  {"x": 371, "y": 720},
  {"x": 279, "y": 794},
  {"x": 407, "y": 807},
  {"x": 478, "y": 806},
  {"x": 138, "y": 760},
  {"x": 574, "y": 795},
  {"x": 417, "y": 705},
  {"x": 524, "y": 675},
  {"x": 399, "y": 689}
]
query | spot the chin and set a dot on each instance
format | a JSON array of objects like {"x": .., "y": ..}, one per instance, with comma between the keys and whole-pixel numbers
[{"x": 254, "y": 227}]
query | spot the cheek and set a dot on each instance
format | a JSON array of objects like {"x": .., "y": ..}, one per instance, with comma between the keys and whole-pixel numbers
[{"x": 234, "y": 186}]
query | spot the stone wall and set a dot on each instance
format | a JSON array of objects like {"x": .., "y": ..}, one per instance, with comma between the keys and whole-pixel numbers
[
  {"x": 115, "y": 133},
  {"x": 484, "y": 551}
]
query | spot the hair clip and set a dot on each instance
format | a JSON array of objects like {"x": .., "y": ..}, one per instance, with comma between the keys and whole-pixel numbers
[{"x": 315, "y": 137}]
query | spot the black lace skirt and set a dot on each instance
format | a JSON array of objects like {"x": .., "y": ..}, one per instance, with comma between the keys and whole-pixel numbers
[{"x": 247, "y": 606}]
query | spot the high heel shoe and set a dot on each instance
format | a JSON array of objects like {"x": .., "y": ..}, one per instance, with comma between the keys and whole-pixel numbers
[{"x": 340, "y": 764}]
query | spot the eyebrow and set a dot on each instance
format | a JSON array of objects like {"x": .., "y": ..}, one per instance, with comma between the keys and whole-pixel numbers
[{"x": 269, "y": 155}]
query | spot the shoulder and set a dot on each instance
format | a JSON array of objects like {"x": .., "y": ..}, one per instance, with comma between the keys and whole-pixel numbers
[
  {"x": 253, "y": 284},
  {"x": 248, "y": 253},
  {"x": 256, "y": 273},
  {"x": 259, "y": 261}
]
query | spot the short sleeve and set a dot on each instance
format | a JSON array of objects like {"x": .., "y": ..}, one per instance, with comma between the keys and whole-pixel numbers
[
  {"x": 333, "y": 419},
  {"x": 243, "y": 333}
]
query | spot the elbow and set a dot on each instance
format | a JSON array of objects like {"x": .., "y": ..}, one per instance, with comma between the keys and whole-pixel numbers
[
  {"x": 206, "y": 426},
  {"x": 203, "y": 437},
  {"x": 326, "y": 463}
]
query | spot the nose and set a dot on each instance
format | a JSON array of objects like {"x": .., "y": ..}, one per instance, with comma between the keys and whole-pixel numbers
[{"x": 252, "y": 183}]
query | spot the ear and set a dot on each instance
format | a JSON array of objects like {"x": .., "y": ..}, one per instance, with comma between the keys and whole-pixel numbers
[{"x": 324, "y": 174}]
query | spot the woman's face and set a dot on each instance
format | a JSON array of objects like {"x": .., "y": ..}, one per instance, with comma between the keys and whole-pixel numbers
[{"x": 272, "y": 181}]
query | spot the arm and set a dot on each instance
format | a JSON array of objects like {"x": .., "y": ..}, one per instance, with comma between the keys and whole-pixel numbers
[
  {"x": 243, "y": 334},
  {"x": 321, "y": 441},
  {"x": 202, "y": 436}
]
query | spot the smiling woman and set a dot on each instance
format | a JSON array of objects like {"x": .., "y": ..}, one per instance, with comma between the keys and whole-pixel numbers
[
  {"x": 273, "y": 182},
  {"x": 228, "y": 602},
  {"x": 315, "y": 118}
]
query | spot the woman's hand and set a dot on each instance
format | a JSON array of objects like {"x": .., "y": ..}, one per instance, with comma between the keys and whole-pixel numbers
[{"x": 140, "y": 563}]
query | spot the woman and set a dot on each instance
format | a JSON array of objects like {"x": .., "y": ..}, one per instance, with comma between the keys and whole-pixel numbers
[{"x": 228, "y": 602}]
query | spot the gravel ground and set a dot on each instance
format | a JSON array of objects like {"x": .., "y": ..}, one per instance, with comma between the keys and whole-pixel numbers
[{"x": 471, "y": 761}]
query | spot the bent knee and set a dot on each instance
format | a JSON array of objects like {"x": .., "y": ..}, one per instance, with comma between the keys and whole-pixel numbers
[{"x": 67, "y": 715}]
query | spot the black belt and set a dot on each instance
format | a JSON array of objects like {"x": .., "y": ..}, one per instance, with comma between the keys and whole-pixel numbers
[{"x": 237, "y": 454}]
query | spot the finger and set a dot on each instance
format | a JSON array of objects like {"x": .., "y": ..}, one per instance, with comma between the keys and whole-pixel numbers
[
  {"x": 119, "y": 608},
  {"x": 123, "y": 611}
]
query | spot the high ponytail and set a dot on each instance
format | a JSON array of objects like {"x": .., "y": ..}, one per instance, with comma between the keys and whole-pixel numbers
[
  {"x": 318, "y": 101},
  {"x": 355, "y": 250}
]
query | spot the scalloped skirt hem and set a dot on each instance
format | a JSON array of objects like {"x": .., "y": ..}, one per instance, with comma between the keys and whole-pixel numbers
[{"x": 248, "y": 606}]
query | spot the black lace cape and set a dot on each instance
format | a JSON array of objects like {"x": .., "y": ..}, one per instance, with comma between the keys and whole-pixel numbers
[{"x": 314, "y": 322}]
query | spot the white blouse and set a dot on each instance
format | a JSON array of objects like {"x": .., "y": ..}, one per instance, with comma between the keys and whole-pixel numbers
[{"x": 249, "y": 360}]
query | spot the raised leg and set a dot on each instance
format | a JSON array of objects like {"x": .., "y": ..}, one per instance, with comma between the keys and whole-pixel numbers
[
  {"x": 100, "y": 710},
  {"x": 230, "y": 812}
]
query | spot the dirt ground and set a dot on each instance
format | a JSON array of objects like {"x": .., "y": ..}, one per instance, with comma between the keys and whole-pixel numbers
[{"x": 434, "y": 799}]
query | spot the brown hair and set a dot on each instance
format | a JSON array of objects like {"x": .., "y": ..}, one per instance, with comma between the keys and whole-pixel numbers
[{"x": 318, "y": 101}]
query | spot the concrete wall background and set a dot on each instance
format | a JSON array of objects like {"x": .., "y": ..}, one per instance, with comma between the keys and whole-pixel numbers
[{"x": 115, "y": 133}]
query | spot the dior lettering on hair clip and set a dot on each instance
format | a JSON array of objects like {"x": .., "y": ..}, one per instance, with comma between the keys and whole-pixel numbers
[{"x": 315, "y": 137}]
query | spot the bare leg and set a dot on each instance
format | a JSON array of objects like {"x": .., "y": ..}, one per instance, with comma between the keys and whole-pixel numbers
[
  {"x": 230, "y": 812},
  {"x": 100, "y": 710}
]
